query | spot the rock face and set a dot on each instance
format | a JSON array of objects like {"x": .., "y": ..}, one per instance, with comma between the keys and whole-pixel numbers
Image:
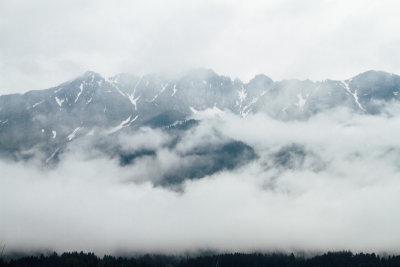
[{"x": 49, "y": 119}]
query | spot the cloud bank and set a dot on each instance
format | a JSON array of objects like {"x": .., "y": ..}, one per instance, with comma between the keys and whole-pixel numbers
[{"x": 329, "y": 183}]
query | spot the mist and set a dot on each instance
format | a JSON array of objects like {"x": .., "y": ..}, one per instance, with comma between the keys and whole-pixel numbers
[{"x": 328, "y": 183}]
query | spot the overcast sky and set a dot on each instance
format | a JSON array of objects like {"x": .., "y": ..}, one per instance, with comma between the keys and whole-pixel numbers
[{"x": 45, "y": 42}]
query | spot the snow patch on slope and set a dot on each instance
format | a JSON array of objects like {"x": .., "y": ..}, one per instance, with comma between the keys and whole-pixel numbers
[
  {"x": 355, "y": 96},
  {"x": 163, "y": 87},
  {"x": 193, "y": 110},
  {"x": 79, "y": 93},
  {"x": 301, "y": 100},
  {"x": 52, "y": 155},
  {"x": 73, "y": 134},
  {"x": 90, "y": 100},
  {"x": 242, "y": 94},
  {"x": 174, "y": 90},
  {"x": 123, "y": 124},
  {"x": 133, "y": 100},
  {"x": 59, "y": 102},
  {"x": 246, "y": 109},
  {"x": 38, "y": 103},
  {"x": 113, "y": 84}
]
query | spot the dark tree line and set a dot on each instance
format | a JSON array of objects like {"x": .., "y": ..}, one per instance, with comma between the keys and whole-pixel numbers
[{"x": 331, "y": 259}]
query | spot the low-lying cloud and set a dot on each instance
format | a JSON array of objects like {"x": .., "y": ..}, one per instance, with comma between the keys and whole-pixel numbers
[{"x": 329, "y": 183}]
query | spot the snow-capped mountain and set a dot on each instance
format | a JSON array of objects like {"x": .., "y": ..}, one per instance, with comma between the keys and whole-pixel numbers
[{"x": 50, "y": 119}]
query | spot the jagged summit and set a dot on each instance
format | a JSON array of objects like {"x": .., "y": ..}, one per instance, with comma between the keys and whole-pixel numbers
[
  {"x": 371, "y": 74},
  {"x": 202, "y": 73},
  {"x": 91, "y": 73},
  {"x": 261, "y": 79}
]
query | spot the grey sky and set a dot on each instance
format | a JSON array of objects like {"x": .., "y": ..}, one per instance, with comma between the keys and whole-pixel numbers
[{"x": 46, "y": 42}]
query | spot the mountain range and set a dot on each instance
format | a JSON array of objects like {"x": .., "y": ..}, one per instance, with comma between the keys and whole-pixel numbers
[{"x": 46, "y": 121}]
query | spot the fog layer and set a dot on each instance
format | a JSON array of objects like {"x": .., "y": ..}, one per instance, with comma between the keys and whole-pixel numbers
[{"x": 329, "y": 183}]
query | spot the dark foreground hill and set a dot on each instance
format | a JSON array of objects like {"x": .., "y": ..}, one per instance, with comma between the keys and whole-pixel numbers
[{"x": 332, "y": 259}]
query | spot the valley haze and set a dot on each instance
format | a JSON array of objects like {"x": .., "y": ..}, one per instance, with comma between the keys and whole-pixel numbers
[{"x": 201, "y": 161}]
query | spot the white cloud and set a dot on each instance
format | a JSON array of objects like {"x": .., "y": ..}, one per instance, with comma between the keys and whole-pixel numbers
[{"x": 93, "y": 204}]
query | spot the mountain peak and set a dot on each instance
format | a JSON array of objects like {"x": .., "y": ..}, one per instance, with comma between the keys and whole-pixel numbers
[
  {"x": 261, "y": 79},
  {"x": 90, "y": 74},
  {"x": 201, "y": 73},
  {"x": 371, "y": 75}
]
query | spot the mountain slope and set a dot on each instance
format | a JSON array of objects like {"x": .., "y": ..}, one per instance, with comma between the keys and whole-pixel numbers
[{"x": 47, "y": 120}]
